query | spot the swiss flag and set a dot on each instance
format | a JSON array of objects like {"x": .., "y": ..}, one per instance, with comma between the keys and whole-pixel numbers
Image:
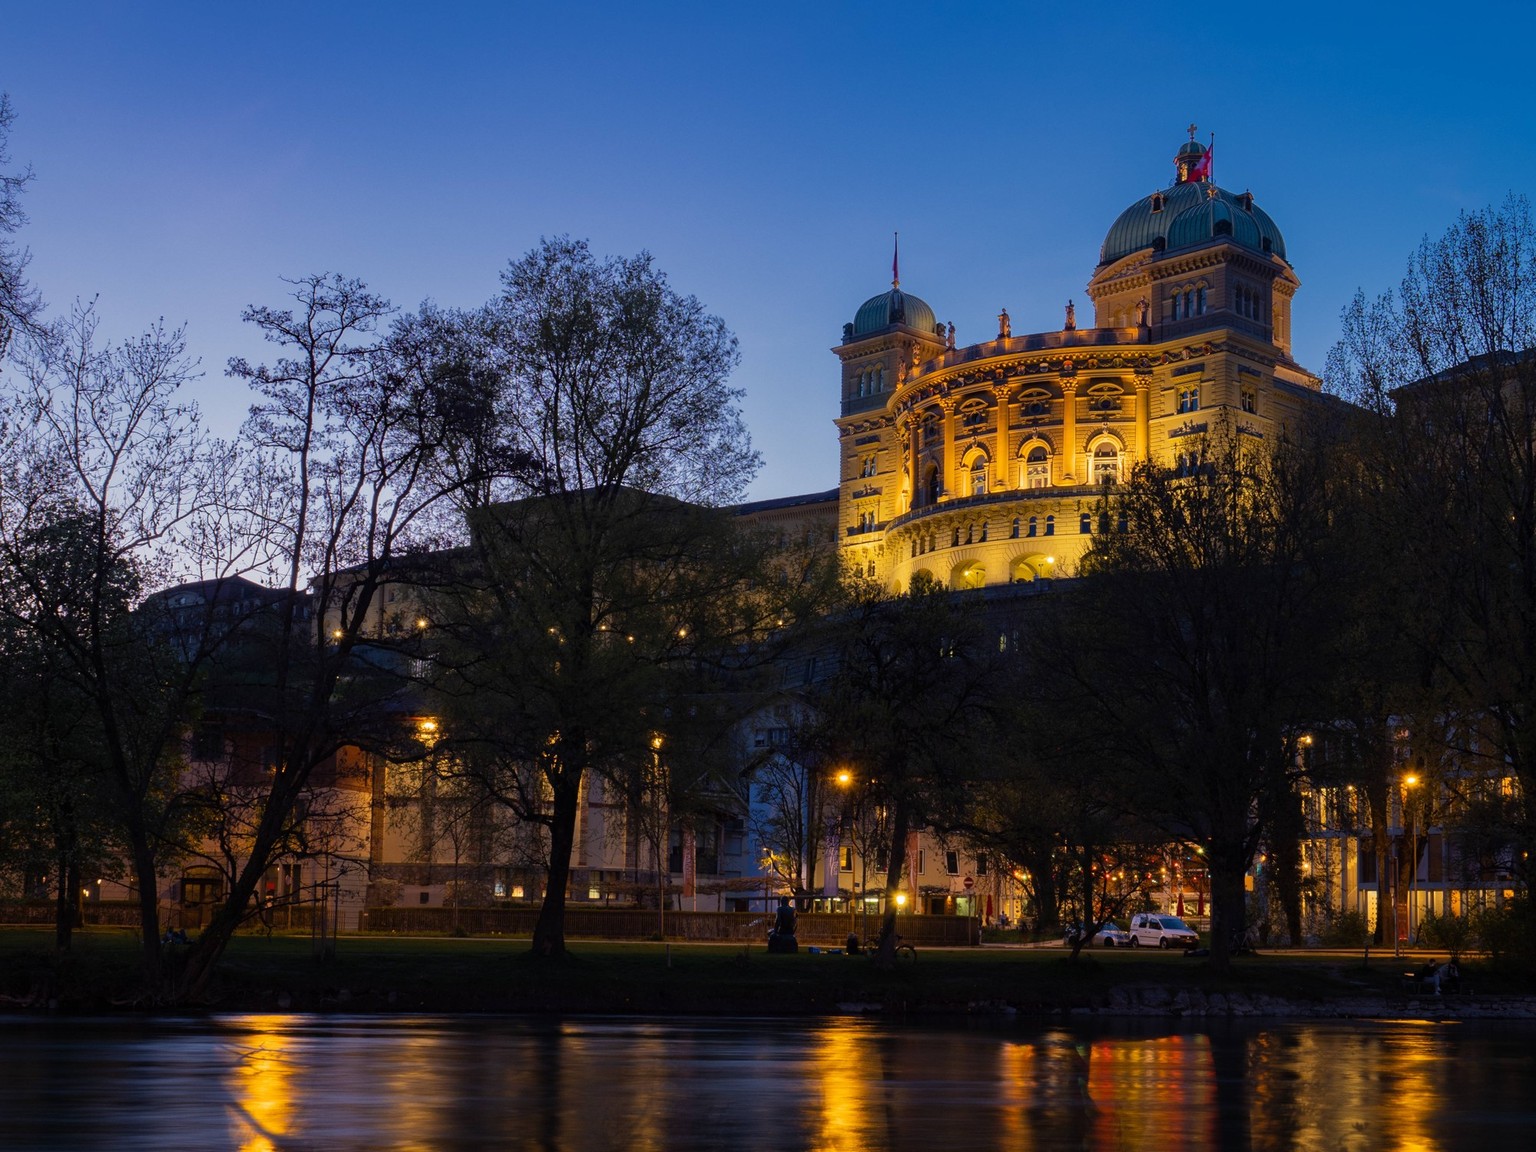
[{"x": 1201, "y": 168}]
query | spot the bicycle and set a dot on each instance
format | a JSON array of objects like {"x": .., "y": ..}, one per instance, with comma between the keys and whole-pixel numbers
[{"x": 904, "y": 951}]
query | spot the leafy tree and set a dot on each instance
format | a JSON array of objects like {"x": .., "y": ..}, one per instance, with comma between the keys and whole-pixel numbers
[
  {"x": 603, "y": 593},
  {"x": 1204, "y": 630},
  {"x": 1053, "y": 801},
  {"x": 56, "y": 819},
  {"x": 904, "y": 707}
]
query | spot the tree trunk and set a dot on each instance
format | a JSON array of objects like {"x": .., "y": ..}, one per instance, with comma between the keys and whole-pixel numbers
[
  {"x": 1377, "y": 797},
  {"x": 1285, "y": 856},
  {"x": 549, "y": 931},
  {"x": 1228, "y": 906},
  {"x": 148, "y": 880},
  {"x": 69, "y": 884},
  {"x": 885, "y": 948}
]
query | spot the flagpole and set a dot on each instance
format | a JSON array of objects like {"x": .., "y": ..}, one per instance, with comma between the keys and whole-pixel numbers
[
  {"x": 1211, "y": 152},
  {"x": 895, "y": 259}
]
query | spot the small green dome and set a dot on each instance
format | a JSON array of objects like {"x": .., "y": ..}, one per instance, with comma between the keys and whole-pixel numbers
[{"x": 893, "y": 307}]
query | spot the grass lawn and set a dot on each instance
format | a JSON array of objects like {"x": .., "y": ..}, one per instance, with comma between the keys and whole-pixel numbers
[{"x": 498, "y": 974}]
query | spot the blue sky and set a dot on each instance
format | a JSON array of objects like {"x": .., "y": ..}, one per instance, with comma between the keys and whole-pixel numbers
[{"x": 188, "y": 156}]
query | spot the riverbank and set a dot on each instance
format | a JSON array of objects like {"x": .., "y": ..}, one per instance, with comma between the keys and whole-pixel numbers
[{"x": 373, "y": 974}]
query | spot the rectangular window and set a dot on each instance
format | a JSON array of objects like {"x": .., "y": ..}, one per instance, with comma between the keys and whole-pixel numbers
[
  {"x": 919, "y": 865},
  {"x": 1250, "y": 400},
  {"x": 952, "y": 863},
  {"x": 845, "y": 859}
]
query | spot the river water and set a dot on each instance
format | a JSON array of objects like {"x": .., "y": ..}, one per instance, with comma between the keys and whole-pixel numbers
[{"x": 296, "y": 1082}]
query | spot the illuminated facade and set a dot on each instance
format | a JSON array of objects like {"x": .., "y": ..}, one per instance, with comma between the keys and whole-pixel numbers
[{"x": 984, "y": 464}]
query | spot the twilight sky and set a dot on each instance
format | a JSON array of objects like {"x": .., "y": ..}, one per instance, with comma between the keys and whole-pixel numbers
[{"x": 188, "y": 156}]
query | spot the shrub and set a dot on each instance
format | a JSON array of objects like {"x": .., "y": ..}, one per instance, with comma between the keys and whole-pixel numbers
[
  {"x": 1453, "y": 933},
  {"x": 1346, "y": 930}
]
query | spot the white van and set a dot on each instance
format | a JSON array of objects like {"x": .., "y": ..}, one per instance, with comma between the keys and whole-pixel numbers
[{"x": 1149, "y": 928}]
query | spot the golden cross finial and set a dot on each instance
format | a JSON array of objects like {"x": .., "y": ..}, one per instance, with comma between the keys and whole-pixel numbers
[{"x": 1193, "y": 128}]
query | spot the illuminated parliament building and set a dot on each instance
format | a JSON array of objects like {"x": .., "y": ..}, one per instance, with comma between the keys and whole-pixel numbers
[{"x": 984, "y": 464}]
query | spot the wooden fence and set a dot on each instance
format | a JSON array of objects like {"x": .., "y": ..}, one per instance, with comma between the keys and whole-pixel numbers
[{"x": 823, "y": 929}]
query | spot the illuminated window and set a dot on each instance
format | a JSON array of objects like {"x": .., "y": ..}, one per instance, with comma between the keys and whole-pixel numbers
[
  {"x": 1106, "y": 464},
  {"x": 1037, "y": 468}
]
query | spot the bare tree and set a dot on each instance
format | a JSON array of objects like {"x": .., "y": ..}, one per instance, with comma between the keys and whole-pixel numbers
[
  {"x": 19, "y": 302},
  {"x": 341, "y": 490},
  {"x": 100, "y": 456},
  {"x": 1447, "y": 365}
]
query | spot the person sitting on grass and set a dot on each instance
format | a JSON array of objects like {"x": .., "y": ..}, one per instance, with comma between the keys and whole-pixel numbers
[{"x": 782, "y": 938}]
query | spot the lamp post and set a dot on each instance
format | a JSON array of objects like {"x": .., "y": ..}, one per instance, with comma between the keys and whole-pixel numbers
[{"x": 1409, "y": 782}]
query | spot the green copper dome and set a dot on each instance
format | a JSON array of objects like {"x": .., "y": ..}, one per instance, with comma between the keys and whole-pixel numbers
[
  {"x": 1189, "y": 213},
  {"x": 893, "y": 307}
]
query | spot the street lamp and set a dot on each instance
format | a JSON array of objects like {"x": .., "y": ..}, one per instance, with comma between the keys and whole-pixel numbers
[
  {"x": 1409, "y": 782},
  {"x": 845, "y": 782}
]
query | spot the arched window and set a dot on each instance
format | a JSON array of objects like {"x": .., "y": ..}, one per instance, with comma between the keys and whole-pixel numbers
[
  {"x": 1015, "y": 532},
  {"x": 954, "y": 539},
  {"x": 1050, "y": 525},
  {"x": 1200, "y": 301},
  {"x": 979, "y": 476},
  {"x": 1037, "y": 468},
  {"x": 1106, "y": 463},
  {"x": 1033, "y": 525},
  {"x": 932, "y": 484}
]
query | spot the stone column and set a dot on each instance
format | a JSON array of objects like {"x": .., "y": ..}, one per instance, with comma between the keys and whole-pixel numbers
[
  {"x": 914, "y": 469},
  {"x": 951, "y": 469},
  {"x": 1002, "y": 466},
  {"x": 1069, "y": 430},
  {"x": 1143, "y": 417}
]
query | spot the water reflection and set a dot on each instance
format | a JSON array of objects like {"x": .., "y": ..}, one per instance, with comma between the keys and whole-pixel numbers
[{"x": 272, "y": 1083}]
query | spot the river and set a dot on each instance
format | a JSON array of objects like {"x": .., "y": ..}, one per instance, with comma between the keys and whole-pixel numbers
[{"x": 295, "y": 1082}]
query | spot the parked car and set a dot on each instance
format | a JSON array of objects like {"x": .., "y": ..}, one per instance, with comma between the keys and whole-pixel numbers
[
  {"x": 1109, "y": 936},
  {"x": 1154, "y": 928}
]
